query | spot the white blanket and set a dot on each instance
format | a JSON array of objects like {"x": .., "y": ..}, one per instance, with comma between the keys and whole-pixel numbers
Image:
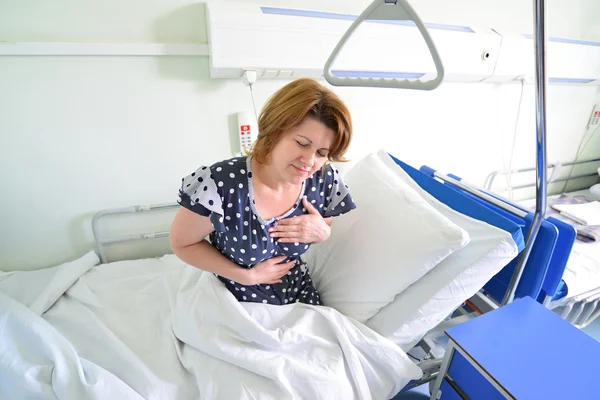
[
  {"x": 159, "y": 329},
  {"x": 582, "y": 273},
  {"x": 585, "y": 214}
]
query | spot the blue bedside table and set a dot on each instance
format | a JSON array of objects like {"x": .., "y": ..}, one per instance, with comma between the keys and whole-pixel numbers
[{"x": 520, "y": 351}]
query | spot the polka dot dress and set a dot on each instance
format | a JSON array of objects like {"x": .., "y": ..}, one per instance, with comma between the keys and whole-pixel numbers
[{"x": 224, "y": 193}]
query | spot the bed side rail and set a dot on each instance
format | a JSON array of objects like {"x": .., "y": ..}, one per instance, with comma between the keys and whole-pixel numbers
[{"x": 100, "y": 241}]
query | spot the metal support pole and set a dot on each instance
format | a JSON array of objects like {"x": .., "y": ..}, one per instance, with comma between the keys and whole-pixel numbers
[{"x": 540, "y": 102}]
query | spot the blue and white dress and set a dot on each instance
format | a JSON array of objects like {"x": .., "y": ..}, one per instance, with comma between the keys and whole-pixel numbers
[{"x": 223, "y": 192}]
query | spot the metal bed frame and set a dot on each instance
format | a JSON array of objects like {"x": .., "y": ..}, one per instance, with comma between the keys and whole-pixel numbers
[
  {"x": 580, "y": 310},
  {"x": 401, "y": 10},
  {"x": 100, "y": 242},
  {"x": 489, "y": 180}
]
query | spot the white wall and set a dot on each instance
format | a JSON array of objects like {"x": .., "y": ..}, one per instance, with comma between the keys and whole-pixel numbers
[{"x": 80, "y": 134}]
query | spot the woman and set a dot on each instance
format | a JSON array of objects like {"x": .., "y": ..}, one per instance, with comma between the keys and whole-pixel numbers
[{"x": 263, "y": 211}]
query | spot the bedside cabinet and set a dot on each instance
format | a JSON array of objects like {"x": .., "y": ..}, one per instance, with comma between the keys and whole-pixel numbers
[{"x": 520, "y": 351}]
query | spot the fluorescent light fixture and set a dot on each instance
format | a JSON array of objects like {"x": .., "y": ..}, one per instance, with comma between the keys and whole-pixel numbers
[
  {"x": 349, "y": 17},
  {"x": 570, "y": 80},
  {"x": 377, "y": 74},
  {"x": 569, "y": 41}
]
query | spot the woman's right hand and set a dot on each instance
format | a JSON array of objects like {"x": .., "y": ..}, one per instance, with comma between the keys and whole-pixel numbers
[{"x": 268, "y": 271}]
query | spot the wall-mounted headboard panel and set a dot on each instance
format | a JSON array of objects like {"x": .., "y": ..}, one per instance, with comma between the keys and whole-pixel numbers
[{"x": 290, "y": 43}]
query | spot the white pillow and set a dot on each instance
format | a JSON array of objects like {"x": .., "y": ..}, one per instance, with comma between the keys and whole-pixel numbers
[
  {"x": 437, "y": 294},
  {"x": 376, "y": 251}
]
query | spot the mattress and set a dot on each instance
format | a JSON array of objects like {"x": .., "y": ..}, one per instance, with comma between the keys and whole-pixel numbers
[
  {"x": 582, "y": 273},
  {"x": 530, "y": 203}
]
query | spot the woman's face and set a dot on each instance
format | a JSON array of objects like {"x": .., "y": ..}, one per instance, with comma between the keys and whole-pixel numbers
[{"x": 302, "y": 150}]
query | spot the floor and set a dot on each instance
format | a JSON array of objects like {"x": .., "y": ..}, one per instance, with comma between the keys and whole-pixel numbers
[{"x": 422, "y": 393}]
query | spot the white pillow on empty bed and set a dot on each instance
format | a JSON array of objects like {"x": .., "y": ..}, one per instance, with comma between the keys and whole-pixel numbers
[
  {"x": 428, "y": 301},
  {"x": 376, "y": 251}
]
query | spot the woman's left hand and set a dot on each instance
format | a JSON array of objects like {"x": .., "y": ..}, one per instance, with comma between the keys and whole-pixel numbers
[{"x": 308, "y": 228}]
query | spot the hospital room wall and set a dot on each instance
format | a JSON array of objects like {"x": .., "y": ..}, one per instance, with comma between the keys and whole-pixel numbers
[{"x": 80, "y": 134}]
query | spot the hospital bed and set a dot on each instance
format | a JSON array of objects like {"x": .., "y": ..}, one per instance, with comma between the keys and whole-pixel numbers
[
  {"x": 95, "y": 298},
  {"x": 425, "y": 352}
]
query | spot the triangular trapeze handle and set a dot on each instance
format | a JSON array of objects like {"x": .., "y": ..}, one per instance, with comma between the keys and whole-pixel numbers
[{"x": 387, "y": 10}]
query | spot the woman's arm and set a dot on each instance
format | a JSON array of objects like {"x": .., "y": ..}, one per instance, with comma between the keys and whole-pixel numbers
[
  {"x": 187, "y": 238},
  {"x": 188, "y": 242}
]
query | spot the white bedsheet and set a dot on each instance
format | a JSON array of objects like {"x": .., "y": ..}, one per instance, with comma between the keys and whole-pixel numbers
[
  {"x": 582, "y": 272},
  {"x": 158, "y": 329}
]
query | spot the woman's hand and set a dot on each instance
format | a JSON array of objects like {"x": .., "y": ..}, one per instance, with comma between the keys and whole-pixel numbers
[
  {"x": 268, "y": 271},
  {"x": 308, "y": 228}
]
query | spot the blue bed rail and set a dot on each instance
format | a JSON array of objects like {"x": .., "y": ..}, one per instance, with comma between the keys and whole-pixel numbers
[
  {"x": 458, "y": 202},
  {"x": 542, "y": 275}
]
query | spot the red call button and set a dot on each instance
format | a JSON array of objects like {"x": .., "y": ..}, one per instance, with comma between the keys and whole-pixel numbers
[{"x": 245, "y": 127}]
